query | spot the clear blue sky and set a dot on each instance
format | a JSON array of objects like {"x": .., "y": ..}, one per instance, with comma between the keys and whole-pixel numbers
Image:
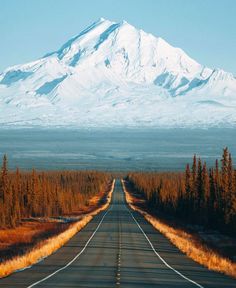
[{"x": 205, "y": 29}]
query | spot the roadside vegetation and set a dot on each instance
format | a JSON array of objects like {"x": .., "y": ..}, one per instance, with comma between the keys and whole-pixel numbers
[
  {"x": 195, "y": 209},
  {"x": 46, "y": 194},
  {"x": 45, "y": 247},
  {"x": 199, "y": 196},
  {"x": 40, "y": 211}
]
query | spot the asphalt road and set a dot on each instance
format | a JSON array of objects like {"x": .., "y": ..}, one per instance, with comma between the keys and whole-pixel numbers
[{"x": 118, "y": 248}]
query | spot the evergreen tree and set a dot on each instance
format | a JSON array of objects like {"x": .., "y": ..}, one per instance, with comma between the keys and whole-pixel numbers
[
  {"x": 213, "y": 193},
  {"x": 212, "y": 207},
  {"x": 188, "y": 191},
  {"x": 4, "y": 180},
  {"x": 205, "y": 197},
  {"x": 225, "y": 175},
  {"x": 230, "y": 197},
  {"x": 199, "y": 185}
]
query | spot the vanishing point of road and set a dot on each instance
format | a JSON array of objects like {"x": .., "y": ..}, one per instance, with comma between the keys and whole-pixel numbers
[{"x": 118, "y": 248}]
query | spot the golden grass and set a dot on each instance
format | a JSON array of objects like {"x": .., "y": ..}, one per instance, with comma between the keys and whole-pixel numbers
[
  {"x": 26, "y": 232},
  {"x": 187, "y": 243},
  {"x": 47, "y": 247}
]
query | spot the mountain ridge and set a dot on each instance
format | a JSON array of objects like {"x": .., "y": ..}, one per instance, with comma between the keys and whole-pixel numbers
[{"x": 128, "y": 76}]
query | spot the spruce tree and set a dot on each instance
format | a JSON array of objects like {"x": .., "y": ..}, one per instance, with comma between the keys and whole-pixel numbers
[
  {"x": 229, "y": 206},
  {"x": 225, "y": 173},
  {"x": 212, "y": 199},
  {"x": 188, "y": 191},
  {"x": 205, "y": 197},
  {"x": 199, "y": 195},
  {"x": 4, "y": 179}
]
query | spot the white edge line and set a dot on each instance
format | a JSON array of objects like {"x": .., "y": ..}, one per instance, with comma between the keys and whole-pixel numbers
[
  {"x": 76, "y": 257},
  {"x": 159, "y": 256}
]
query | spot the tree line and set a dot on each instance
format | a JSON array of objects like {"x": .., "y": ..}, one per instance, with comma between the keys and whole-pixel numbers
[
  {"x": 199, "y": 196},
  {"x": 45, "y": 193}
]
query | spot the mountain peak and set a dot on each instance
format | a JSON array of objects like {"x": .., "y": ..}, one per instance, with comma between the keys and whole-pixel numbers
[
  {"x": 113, "y": 73},
  {"x": 101, "y": 19},
  {"x": 114, "y": 37}
]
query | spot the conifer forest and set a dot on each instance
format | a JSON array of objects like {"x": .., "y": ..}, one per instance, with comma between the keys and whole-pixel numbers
[
  {"x": 200, "y": 195},
  {"x": 46, "y": 193}
]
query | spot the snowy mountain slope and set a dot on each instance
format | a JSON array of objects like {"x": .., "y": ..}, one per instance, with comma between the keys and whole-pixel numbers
[{"x": 113, "y": 74}]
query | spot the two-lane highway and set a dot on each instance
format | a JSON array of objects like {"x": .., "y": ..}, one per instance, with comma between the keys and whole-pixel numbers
[{"x": 118, "y": 248}]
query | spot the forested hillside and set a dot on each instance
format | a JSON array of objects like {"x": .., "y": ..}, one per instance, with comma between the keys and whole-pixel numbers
[{"x": 200, "y": 196}]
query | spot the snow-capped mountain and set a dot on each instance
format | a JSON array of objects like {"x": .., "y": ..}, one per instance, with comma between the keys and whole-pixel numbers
[{"x": 113, "y": 74}]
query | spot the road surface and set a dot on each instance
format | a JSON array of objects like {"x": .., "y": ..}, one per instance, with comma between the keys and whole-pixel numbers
[{"x": 118, "y": 248}]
